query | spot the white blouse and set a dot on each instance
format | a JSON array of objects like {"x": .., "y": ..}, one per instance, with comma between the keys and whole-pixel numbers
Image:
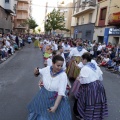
[
  {"x": 75, "y": 52},
  {"x": 87, "y": 75},
  {"x": 66, "y": 48},
  {"x": 57, "y": 83}
]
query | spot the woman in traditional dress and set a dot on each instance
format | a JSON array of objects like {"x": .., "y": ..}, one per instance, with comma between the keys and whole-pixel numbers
[
  {"x": 75, "y": 55},
  {"x": 91, "y": 101},
  {"x": 51, "y": 102},
  {"x": 48, "y": 51},
  {"x": 66, "y": 49},
  {"x": 36, "y": 42}
]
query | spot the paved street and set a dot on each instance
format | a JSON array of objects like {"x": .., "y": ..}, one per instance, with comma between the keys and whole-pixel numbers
[{"x": 18, "y": 85}]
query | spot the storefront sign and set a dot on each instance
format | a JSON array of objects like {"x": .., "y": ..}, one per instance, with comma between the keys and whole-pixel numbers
[
  {"x": 114, "y": 31},
  {"x": 106, "y": 35},
  {"x": 76, "y": 31}
]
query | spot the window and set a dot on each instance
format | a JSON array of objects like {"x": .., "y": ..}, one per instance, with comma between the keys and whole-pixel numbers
[
  {"x": 6, "y": 1},
  {"x": 82, "y": 20},
  {"x": 90, "y": 17},
  {"x": 78, "y": 21},
  {"x": 103, "y": 13},
  {"x": 75, "y": 6},
  {"x": 88, "y": 33}
]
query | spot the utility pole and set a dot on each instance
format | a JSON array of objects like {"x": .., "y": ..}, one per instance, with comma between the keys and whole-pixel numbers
[{"x": 45, "y": 15}]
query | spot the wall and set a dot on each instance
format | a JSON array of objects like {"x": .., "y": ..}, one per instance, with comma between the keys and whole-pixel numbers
[
  {"x": 5, "y": 20},
  {"x": 102, "y": 4},
  {"x": 98, "y": 32},
  {"x": 83, "y": 29}
]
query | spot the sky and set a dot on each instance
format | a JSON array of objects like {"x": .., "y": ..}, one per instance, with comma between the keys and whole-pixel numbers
[{"x": 38, "y": 10}]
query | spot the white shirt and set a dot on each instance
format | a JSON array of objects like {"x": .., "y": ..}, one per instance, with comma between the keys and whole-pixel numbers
[
  {"x": 64, "y": 64},
  {"x": 99, "y": 48},
  {"x": 75, "y": 52},
  {"x": 49, "y": 62},
  {"x": 87, "y": 75},
  {"x": 66, "y": 48},
  {"x": 57, "y": 83},
  {"x": 80, "y": 65},
  {"x": 55, "y": 47},
  {"x": 7, "y": 43},
  {"x": 106, "y": 59}
]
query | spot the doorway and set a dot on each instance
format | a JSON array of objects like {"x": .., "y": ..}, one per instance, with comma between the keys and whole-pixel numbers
[
  {"x": 100, "y": 39},
  {"x": 116, "y": 40}
]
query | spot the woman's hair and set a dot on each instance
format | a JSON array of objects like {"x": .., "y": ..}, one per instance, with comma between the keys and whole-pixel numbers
[
  {"x": 66, "y": 42},
  {"x": 54, "y": 52},
  {"x": 86, "y": 56},
  {"x": 57, "y": 58},
  {"x": 79, "y": 44},
  {"x": 60, "y": 47}
]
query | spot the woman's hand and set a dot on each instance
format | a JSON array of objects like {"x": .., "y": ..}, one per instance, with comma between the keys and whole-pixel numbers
[
  {"x": 52, "y": 109},
  {"x": 36, "y": 72}
]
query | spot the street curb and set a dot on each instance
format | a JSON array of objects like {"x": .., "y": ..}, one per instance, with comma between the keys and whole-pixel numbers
[{"x": 8, "y": 59}]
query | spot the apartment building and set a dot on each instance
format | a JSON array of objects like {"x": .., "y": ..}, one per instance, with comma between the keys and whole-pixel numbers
[
  {"x": 7, "y": 10},
  {"x": 84, "y": 18},
  {"x": 108, "y": 22},
  {"x": 65, "y": 6},
  {"x": 23, "y": 11}
]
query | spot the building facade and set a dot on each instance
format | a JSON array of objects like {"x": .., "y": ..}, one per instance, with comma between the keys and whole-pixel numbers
[
  {"x": 84, "y": 14},
  {"x": 7, "y": 11},
  {"x": 23, "y": 11},
  {"x": 108, "y": 22},
  {"x": 65, "y": 7}
]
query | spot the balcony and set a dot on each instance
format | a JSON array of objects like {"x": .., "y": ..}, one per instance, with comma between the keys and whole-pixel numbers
[
  {"x": 22, "y": 8},
  {"x": 114, "y": 19},
  {"x": 25, "y": 1},
  {"x": 9, "y": 7},
  {"x": 87, "y": 9},
  {"x": 22, "y": 17}
]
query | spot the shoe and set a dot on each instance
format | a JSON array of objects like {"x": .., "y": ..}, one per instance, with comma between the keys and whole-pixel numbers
[{"x": 4, "y": 59}]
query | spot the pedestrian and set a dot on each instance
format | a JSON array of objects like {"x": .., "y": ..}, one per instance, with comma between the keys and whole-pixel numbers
[
  {"x": 91, "y": 101},
  {"x": 51, "y": 103},
  {"x": 75, "y": 55}
]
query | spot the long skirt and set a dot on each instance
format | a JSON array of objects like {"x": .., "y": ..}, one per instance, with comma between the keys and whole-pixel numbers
[
  {"x": 73, "y": 71},
  {"x": 45, "y": 99},
  {"x": 91, "y": 101},
  {"x": 36, "y": 43}
]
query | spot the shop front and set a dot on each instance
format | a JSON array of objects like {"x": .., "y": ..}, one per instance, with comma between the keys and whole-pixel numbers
[
  {"x": 85, "y": 31},
  {"x": 112, "y": 35}
]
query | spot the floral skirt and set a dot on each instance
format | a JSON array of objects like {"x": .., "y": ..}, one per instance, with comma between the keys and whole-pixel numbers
[
  {"x": 91, "y": 101},
  {"x": 73, "y": 71},
  {"x": 43, "y": 100}
]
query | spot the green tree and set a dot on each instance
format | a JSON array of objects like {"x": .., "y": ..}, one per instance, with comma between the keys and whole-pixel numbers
[
  {"x": 31, "y": 23},
  {"x": 55, "y": 20},
  {"x": 39, "y": 30}
]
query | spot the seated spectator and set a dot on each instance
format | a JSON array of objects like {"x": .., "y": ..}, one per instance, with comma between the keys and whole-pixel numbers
[
  {"x": 116, "y": 68},
  {"x": 111, "y": 64},
  {"x": 109, "y": 46},
  {"x": 105, "y": 61}
]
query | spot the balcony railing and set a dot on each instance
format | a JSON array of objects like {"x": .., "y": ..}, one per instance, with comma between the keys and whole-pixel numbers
[
  {"x": 85, "y": 7},
  {"x": 26, "y": 1},
  {"x": 22, "y": 8},
  {"x": 21, "y": 17}
]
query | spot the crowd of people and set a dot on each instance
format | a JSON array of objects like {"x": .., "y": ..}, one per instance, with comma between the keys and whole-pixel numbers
[
  {"x": 12, "y": 42},
  {"x": 65, "y": 60},
  {"x": 68, "y": 60},
  {"x": 9, "y": 43}
]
